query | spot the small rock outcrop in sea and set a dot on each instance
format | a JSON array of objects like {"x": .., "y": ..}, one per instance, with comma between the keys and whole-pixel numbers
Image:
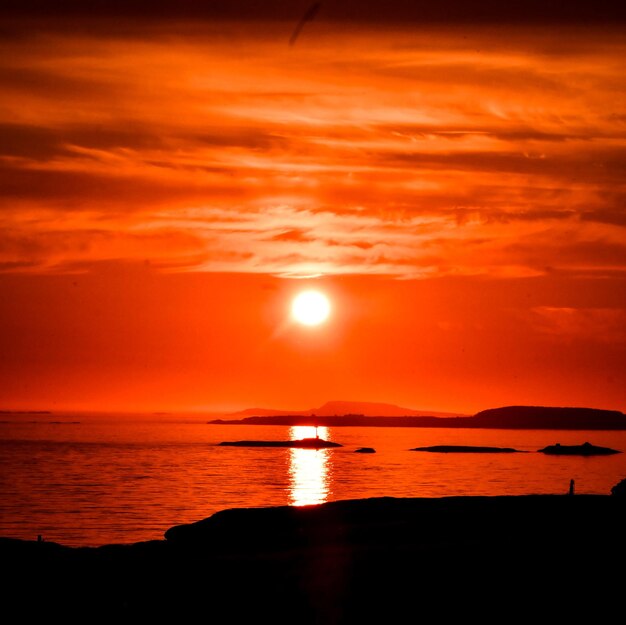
[
  {"x": 586, "y": 449},
  {"x": 305, "y": 443},
  {"x": 365, "y": 450},
  {"x": 466, "y": 449}
]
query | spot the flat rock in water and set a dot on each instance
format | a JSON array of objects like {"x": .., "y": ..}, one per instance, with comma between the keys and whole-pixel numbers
[
  {"x": 465, "y": 449},
  {"x": 304, "y": 443}
]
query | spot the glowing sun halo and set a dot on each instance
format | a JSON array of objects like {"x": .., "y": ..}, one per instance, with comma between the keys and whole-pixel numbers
[{"x": 310, "y": 308}]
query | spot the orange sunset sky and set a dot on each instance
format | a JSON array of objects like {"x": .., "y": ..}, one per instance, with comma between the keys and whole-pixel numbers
[{"x": 172, "y": 174}]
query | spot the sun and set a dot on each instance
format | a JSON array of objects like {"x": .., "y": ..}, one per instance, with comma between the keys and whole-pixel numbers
[{"x": 310, "y": 308}]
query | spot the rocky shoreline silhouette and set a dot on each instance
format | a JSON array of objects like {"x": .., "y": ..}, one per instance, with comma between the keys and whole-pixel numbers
[{"x": 357, "y": 561}]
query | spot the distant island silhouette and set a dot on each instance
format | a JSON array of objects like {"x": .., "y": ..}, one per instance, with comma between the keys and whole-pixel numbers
[
  {"x": 25, "y": 412},
  {"x": 507, "y": 417}
]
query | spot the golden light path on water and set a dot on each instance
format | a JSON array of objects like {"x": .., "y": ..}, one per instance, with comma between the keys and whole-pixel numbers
[{"x": 308, "y": 468}]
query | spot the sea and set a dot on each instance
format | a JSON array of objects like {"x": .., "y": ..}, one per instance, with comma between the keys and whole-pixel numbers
[{"x": 92, "y": 479}]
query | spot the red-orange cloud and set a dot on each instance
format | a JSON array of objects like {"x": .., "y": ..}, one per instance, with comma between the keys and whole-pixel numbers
[{"x": 418, "y": 152}]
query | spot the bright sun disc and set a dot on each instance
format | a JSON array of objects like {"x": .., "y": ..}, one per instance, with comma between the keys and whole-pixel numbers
[{"x": 310, "y": 308}]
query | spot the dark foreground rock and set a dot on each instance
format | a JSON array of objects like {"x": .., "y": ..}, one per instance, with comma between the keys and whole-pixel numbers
[
  {"x": 381, "y": 560},
  {"x": 619, "y": 490}
]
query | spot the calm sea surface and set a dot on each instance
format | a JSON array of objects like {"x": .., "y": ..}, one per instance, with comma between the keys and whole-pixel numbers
[{"x": 88, "y": 480}]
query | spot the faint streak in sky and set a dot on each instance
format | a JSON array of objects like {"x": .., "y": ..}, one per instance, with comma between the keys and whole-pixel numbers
[{"x": 309, "y": 16}]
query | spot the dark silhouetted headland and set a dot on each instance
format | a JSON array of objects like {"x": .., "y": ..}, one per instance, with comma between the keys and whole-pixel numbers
[{"x": 550, "y": 418}]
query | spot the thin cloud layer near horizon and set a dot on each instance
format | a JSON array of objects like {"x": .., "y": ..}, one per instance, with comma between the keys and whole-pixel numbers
[{"x": 454, "y": 179}]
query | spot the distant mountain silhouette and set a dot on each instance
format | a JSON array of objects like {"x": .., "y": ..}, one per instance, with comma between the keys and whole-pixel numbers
[
  {"x": 507, "y": 417},
  {"x": 341, "y": 408}
]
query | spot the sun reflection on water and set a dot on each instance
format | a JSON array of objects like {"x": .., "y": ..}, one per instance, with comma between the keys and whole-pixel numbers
[{"x": 308, "y": 468}]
